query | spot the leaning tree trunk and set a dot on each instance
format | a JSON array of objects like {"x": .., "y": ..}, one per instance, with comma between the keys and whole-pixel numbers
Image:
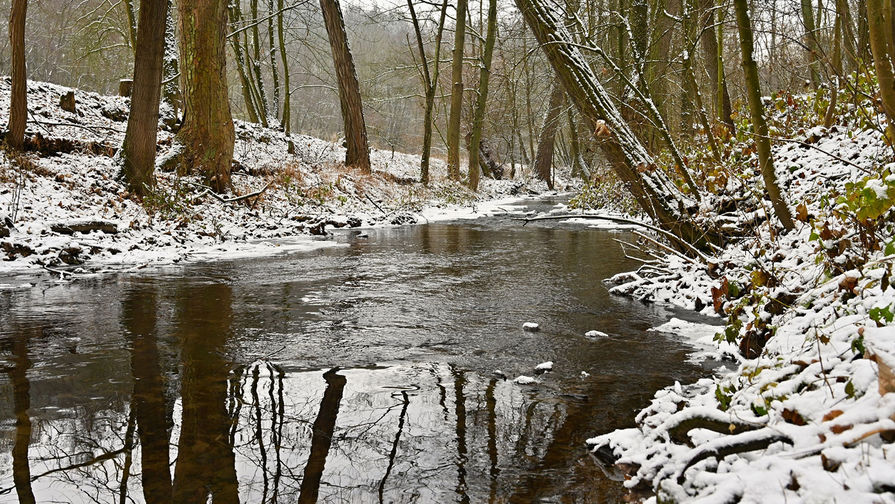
[
  {"x": 547, "y": 140},
  {"x": 453, "y": 132},
  {"x": 753, "y": 92},
  {"x": 358, "y": 154},
  {"x": 482, "y": 99},
  {"x": 880, "y": 19},
  {"x": 207, "y": 133},
  {"x": 654, "y": 191},
  {"x": 18, "y": 100},
  {"x": 138, "y": 152}
]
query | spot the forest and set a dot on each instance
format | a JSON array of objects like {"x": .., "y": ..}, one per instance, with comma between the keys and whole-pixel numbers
[{"x": 447, "y": 251}]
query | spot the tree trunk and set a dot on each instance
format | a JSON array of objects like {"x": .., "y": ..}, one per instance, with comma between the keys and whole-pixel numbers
[
  {"x": 811, "y": 41},
  {"x": 430, "y": 81},
  {"x": 171, "y": 90},
  {"x": 482, "y": 99},
  {"x": 207, "y": 133},
  {"x": 753, "y": 92},
  {"x": 654, "y": 192},
  {"x": 248, "y": 93},
  {"x": 713, "y": 55},
  {"x": 880, "y": 18},
  {"x": 453, "y": 133},
  {"x": 274, "y": 71},
  {"x": 18, "y": 96},
  {"x": 264, "y": 110},
  {"x": 138, "y": 152},
  {"x": 547, "y": 139},
  {"x": 131, "y": 25},
  {"x": 358, "y": 154},
  {"x": 286, "y": 119},
  {"x": 579, "y": 168}
]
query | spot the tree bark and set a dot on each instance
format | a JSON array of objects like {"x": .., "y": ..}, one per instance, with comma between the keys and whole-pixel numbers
[
  {"x": 453, "y": 133},
  {"x": 753, "y": 92},
  {"x": 880, "y": 18},
  {"x": 171, "y": 90},
  {"x": 207, "y": 133},
  {"x": 18, "y": 96},
  {"x": 482, "y": 98},
  {"x": 654, "y": 192},
  {"x": 547, "y": 139},
  {"x": 274, "y": 71},
  {"x": 138, "y": 152},
  {"x": 286, "y": 120},
  {"x": 358, "y": 154}
]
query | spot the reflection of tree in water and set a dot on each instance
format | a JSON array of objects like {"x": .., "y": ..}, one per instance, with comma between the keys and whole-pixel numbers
[
  {"x": 205, "y": 460},
  {"x": 263, "y": 433},
  {"x": 21, "y": 391}
]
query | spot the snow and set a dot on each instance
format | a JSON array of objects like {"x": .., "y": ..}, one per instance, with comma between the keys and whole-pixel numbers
[
  {"x": 544, "y": 366},
  {"x": 310, "y": 193},
  {"x": 596, "y": 334},
  {"x": 525, "y": 380},
  {"x": 813, "y": 402},
  {"x": 701, "y": 336},
  {"x": 530, "y": 327}
]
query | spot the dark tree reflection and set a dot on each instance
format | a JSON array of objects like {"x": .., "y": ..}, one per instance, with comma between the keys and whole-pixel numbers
[
  {"x": 21, "y": 403},
  {"x": 138, "y": 318},
  {"x": 321, "y": 441},
  {"x": 205, "y": 465}
]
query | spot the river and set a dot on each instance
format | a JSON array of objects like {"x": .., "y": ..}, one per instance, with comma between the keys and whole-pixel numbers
[{"x": 361, "y": 372}]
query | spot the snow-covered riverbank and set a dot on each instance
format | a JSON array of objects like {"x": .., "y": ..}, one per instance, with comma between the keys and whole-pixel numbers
[
  {"x": 804, "y": 410},
  {"x": 67, "y": 207}
]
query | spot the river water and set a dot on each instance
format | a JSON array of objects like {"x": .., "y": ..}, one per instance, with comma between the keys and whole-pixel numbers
[{"x": 362, "y": 372}]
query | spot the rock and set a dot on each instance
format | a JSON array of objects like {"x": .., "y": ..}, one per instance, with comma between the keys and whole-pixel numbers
[
  {"x": 544, "y": 367},
  {"x": 531, "y": 327},
  {"x": 4, "y": 232},
  {"x": 16, "y": 249},
  {"x": 71, "y": 255},
  {"x": 524, "y": 380},
  {"x": 67, "y": 102},
  {"x": 500, "y": 374},
  {"x": 596, "y": 334},
  {"x": 84, "y": 226}
]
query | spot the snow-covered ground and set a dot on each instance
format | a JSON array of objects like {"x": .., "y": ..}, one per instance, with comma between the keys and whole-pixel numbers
[
  {"x": 68, "y": 207},
  {"x": 804, "y": 410}
]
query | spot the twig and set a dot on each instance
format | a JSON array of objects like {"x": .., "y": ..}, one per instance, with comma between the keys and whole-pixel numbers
[
  {"x": 804, "y": 144},
  {"x": 667, "y": 248},
  {"x": 374, "y": 204}
]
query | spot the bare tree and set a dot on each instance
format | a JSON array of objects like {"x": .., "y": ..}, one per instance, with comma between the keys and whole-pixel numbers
[
  {"x": 482, "y": 97},
  {"x": 18, "y": 100},
  {"x": 207, "y": 134},
  {"x": 547, "y": 140},
  {"x": 138, "y": 152},
  {"x": 358, "y": 154},
  {"x": 430, "y": 81},
  {"x": 453, "y": 129},
  {"x": 753, "y": 93}
]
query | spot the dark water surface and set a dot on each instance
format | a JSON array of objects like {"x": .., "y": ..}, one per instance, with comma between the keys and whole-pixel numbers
[{"x": 217, "y": 379}]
